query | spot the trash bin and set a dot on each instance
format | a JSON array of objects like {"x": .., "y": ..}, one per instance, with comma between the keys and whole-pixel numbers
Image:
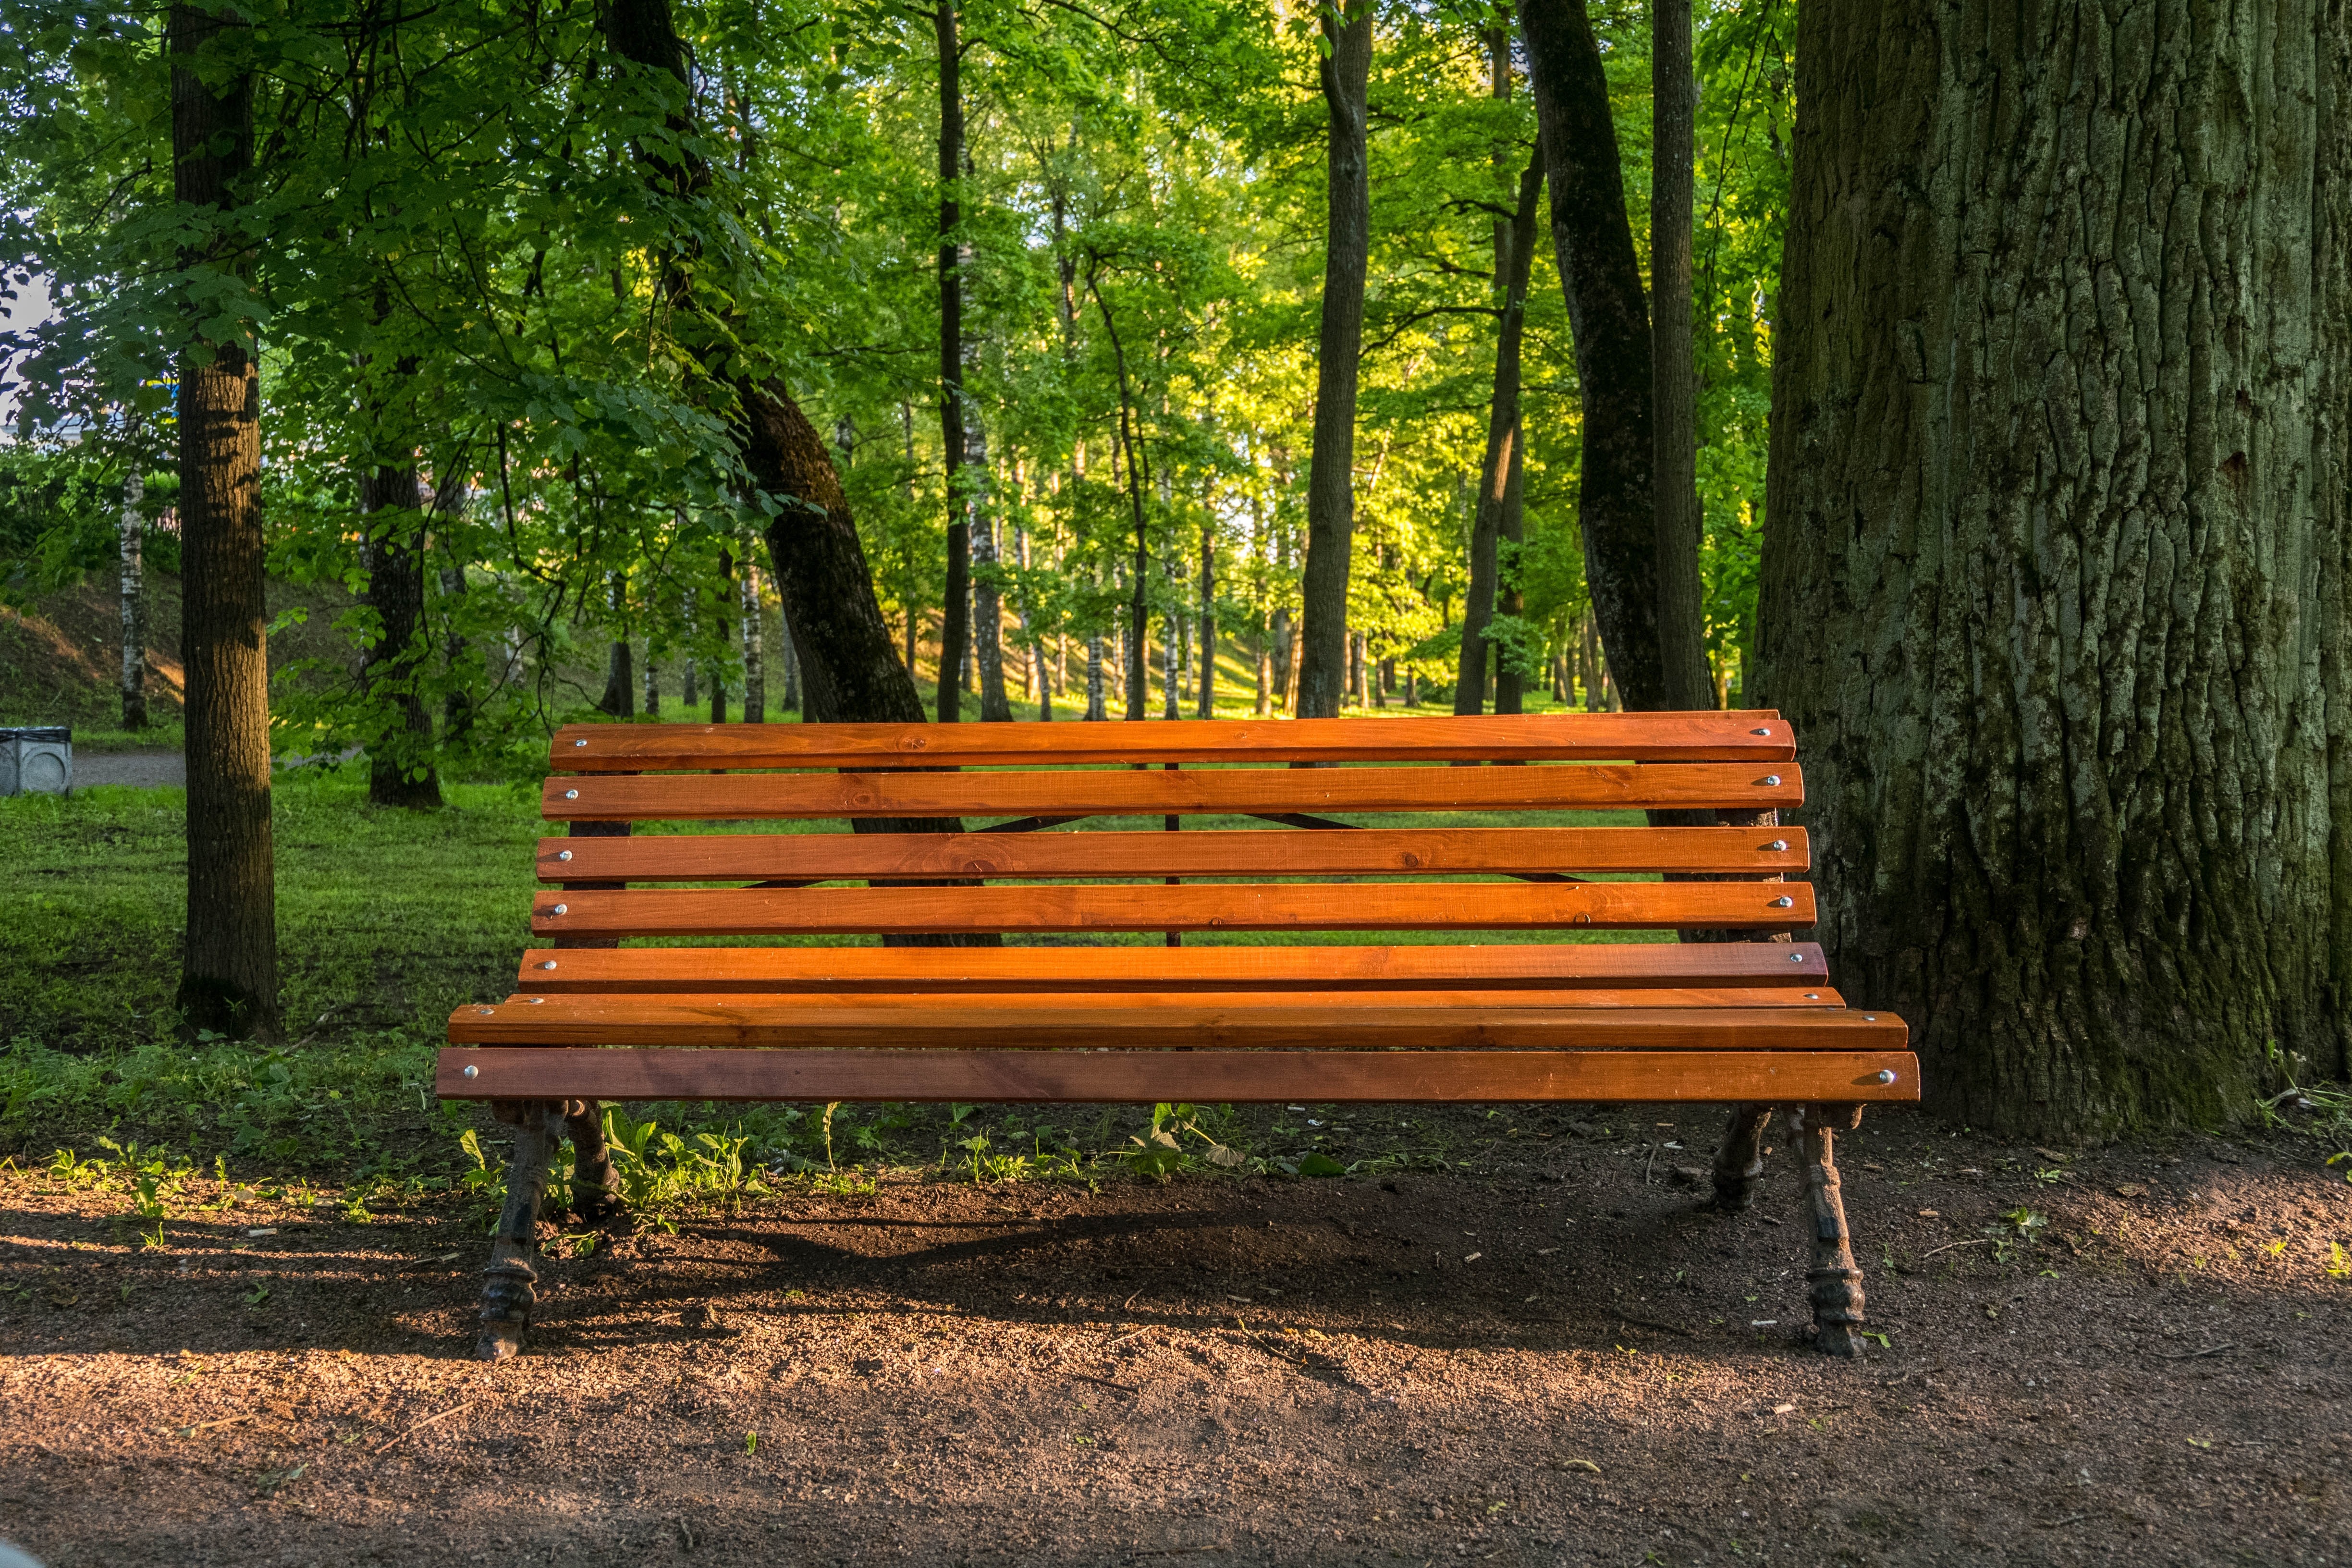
[{"x": 37, "y": 760}]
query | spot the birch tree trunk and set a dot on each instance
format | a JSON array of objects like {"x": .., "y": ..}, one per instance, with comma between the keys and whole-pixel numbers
[
  {"x": 755, "y": 670},
  {"x": 2054, "y": 576}
]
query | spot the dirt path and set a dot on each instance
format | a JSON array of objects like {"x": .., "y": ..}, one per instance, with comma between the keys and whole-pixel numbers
[{"x": 1558, "y": 1362}]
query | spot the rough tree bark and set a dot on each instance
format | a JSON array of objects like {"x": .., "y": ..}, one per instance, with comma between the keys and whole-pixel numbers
[
  {"x": 619, "y": 698},
  {"x": 2055, "y": 577},
  {"x": 1674, "y": 386},
  {"x": 957, "y": 634},
  {"x": 1346, "y": 73},
  {"x": 400, "y": 750},
  {"x": 1610, "y": 323},
  {"x": 228, "y": 978},
  {"x": 755, "y": 668}
]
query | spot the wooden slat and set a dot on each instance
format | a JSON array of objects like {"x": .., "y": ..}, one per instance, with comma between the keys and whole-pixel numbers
[
  {"x": 1703, "y": 736},
  {"x": 1817, "y": 997},
  {"x": 1249, "y": 906},
  {"x": 794, "y": 1022},
  {"x": 1213, "y": 1077},
  {"x": 1421, "y": 851},
  {"x": 1217, "y": 791},
  {"x": 1543, "y": 966}
]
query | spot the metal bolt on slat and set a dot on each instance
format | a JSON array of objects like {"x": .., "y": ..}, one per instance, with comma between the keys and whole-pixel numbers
[
  {"x": 1776, "y": 846},
  {"x": 1772, "y": 781},
  {"x": 583, "y": 742},
  {"x": 1783, "y": 902},
  {"x": 549, "y": 964},
  {"x": 563, "y": 855},
  {"x": 561, "y": 909},
  {"x": 1751, "y": 731},
  {"x": 1796, "y": 958},
  {"x": 574, "y": 794},
  {"x": 471, "y": 1071},
  {"x": 1886, "y": 1074}
]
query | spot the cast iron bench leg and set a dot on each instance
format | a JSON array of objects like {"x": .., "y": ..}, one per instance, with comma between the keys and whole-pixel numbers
[
  {"x": 1836, "y": 1282},
  {"x": 1740, "y": 1162},
  {"x": 509, "y": 1284},
  {"x": 596, "y": 1187}
]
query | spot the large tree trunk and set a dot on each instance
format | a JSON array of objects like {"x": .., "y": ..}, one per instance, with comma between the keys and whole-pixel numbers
[
  {"x": 132, "y": 538},
  {"x": 1331, "y": 475},
  {"x": 228, "y": 978},
  {"x": 1610, "y": 323},
  {"x": 1674, "y": 388},
  {"x": 955, "y": 638},
  {"x": 2055, "y": 577},
  {"x": 400, "y": 744},
  {"x": 1499, "y": 470}
]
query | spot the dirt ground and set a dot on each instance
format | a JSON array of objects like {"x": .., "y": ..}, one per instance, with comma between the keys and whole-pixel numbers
[{"x": 1559, "y": 1360}]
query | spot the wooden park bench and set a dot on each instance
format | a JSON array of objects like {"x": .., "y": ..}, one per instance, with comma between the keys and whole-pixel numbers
[{"x": 1736, "y": 1014}]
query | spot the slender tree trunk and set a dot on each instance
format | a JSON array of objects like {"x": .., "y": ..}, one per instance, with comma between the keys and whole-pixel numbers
[
  {"x": 619, "y": 700},
  {"x": 400, "y": 750},
  {"x": 755, "y": 672},
  {"x": 1285, "y": 645},
  {"x": 134, "y": 535},
  {"x": 1673, "y": 389},
  {"x": 1346, "y": 74},
  {"x": 722, "y": 625},
  {"x": 1610, "y": 323},
  {"x": 1208, "y": 703},
  {"x": 2054, "y": 587},
  {"x": 791, "y": 660},
  {"x": 1510, "y": 532},
  {"x": 228, "y": 980},
  {"x": 1264, "y": 706},
  {"x": 953, "y": 442},
  {"x": 1515, "y": 257},
  {"x": 1138, "y": 680},
  {"x": 988, "y": 603}
]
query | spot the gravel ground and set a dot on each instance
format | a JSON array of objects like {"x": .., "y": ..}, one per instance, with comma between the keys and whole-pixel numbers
[{"x": 1560, "y": 1360}]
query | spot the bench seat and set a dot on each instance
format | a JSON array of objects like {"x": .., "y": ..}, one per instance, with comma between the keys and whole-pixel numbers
[{"x": 1077, "y": 1010}]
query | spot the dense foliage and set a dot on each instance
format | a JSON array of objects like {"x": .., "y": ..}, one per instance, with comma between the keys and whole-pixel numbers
[{"x": 452, "y": 263}]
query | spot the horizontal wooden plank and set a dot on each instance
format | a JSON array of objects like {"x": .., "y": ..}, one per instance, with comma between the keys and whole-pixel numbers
[
  {"x": 1544, "y": 966},
  {"x": 1161, "y": 793},
  {"x": 1334, "y": 1002},
  {"x": 1228, "y": 906},
  {"x": 1274, "y": 852},
  {"x": 1144, "y": 1078},
  {"x": 1759, "y": 735},
  {"x": 795, "y": 1022}
]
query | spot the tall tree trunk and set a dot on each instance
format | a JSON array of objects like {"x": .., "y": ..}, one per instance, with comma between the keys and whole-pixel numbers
[
  {"x": 848, "y": 665},
  {"x": 1137, "y": 679},
  {"x": 1285, "y": 646},
  {"x": 620, "y": 697},
  {"x": 1510, "y": 532},
  {"x": 954, "y": 639},
  {"x": 1208, "y": 640},
  {"x": 755, "y": 671},
  {"x": 2056, "y": 578},
  {"x": 400, "y": 748},
  {"x": 1513, "y": 260},
  {"x": 723, "y": 629},
  {"x": 987, "y": 600},
  {"x": 1610, "y": 323},
  {"x": 791, "y": 660},
  {"x": 1673, "y": 389},
  {"x": 134, "y": 536},
  {"x": 1346, "y": 74},
  {"x": 228, "y": 978}
]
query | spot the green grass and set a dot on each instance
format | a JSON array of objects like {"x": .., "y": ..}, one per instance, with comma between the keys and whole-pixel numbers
[{"x": 387, "y": 920}]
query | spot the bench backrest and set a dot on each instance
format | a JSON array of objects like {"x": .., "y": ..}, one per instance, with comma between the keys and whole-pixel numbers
[{"x": 1276, "y": 860}]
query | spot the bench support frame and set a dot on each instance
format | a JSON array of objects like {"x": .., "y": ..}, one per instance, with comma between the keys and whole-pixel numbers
[{"x": 510, "y": 1285}]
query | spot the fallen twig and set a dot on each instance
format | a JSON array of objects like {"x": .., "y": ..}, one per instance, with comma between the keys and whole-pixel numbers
[
  {"x": 2062, "y": 1523},
  {"x": 1645, "y": 1323},
  {"x": 1107, "y": 1383},
  {"x": 1980, "y": 1241},
  {"x": 208, "y": 1425},
  {"x": 2193, "y": 1355},
  {"x": 1136, "y": 1333},
  {"x": 420, "y": 1426}
]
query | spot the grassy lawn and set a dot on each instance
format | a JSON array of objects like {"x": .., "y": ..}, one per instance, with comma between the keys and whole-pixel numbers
[{"x": 388, "y": 920}]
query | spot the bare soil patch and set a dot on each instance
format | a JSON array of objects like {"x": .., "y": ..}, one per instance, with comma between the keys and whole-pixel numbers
[{"x": 1559, "y": 1360}]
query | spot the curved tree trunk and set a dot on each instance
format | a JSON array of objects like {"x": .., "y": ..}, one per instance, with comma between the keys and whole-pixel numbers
[
  {"x": 228, "y": 978},
  {"x": 1610, "y": 323},
  {"x": 1330, "y": 473},
  {"x": 1499, "y": 470},
  {"x": 2054, "y": 572}
]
